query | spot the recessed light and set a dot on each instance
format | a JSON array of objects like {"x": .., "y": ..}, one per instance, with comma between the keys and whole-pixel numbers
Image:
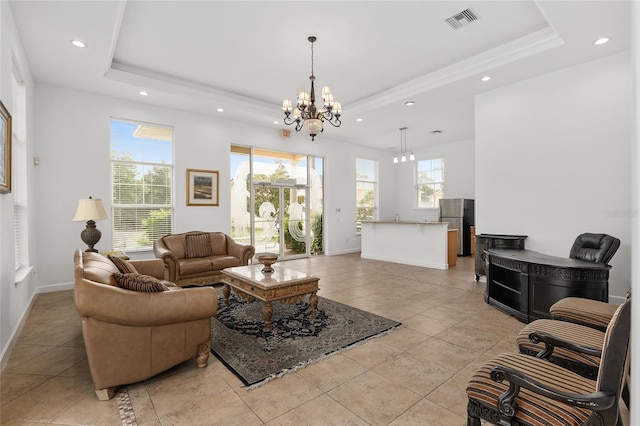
[
  {"x": 143, "y": 93},
  {"x": 486, "y": 78},
  {"x": 358, "y": 120},
  {"x": 220, "y": 110},
  {"x": 78, "y": 43},
  {"x": 276, "y": 122},
  {"x": 409, "y": 103},
  {"x": 601, "y": 40}
]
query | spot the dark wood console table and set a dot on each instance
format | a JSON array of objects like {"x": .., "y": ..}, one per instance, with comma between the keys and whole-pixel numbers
[
  {"x": 494, "y": 241},
  {"x": 525, "y": 283}
]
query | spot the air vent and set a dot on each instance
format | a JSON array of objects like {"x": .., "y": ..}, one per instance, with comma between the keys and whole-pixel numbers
[{"x": 461, "y": 19}]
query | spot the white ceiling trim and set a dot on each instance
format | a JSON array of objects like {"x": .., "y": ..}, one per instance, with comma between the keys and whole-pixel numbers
[
  {"x": 515, "y": 50},
  {"x": 117, "y": 24}
]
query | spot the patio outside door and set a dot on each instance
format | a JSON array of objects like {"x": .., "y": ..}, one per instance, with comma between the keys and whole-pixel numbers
[
  {"x": 280, "y": 225},
  {"x": 277, "y": 201}
]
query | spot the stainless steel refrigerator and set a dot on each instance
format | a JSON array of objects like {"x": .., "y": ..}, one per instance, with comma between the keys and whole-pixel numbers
[{"x": 460, "y": 213}]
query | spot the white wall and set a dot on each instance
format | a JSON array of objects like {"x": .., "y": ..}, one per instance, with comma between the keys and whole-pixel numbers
[
  {"x": 459, "y": 164},
  {"x": 553, "y": 160},
  {"x": 15, "y": 298},
  {"x": 73, "y": 146}
]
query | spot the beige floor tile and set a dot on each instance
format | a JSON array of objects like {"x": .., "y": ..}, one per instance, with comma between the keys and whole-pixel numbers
[
  {"x": 426, "y": 413},
  {"x": 91, "y": 411},
  {"x": 469, "y": 338},
  {"x": 332, "y": 372},
  {"x": 48, "y": 401},
  {"x": 177, "y": 387},
  {"x": 372, "y": 353},
  {"x": 22, "y": 353},
  {"x": 404, "y": 338},
  {"x": 13, "y": 386},
  {"x": 427, "y": 325},
  {"x": 52, "y": 362},
  {"x": 142, "y": 405},
  {"x": 225, "y": 408},
  {"x": 321, "y": 411},
  {"x": 443, "y": 353},
  {"x": 374, "y": 398},
  {"x": 419, "y": 376},
  {"x": 278, "y": 396}
]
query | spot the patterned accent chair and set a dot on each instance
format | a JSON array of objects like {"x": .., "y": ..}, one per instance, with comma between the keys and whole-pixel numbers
[
  {"x": 517, "y": 389},
  {"x": 198, "y": 258}
]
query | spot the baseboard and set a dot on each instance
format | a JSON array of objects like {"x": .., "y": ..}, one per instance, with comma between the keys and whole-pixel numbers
[
  {"x": 339, "y": 252},
  {"x": 616, "y": 300},
  {"x": 55, "y": 287}
]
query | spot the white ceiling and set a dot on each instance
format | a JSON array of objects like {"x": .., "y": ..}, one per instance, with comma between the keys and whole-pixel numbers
[{"x": 246, "y": 56}]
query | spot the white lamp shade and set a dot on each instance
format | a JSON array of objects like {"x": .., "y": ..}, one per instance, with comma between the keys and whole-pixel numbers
[
  {"x": 90, "y": 209},
  {"x": 286, "y": 105}
]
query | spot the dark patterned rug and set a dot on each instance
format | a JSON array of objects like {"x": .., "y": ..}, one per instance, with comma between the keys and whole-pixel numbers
[{"x": 296, "y": 339}]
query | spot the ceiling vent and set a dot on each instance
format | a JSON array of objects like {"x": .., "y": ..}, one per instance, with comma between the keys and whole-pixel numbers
[{"x": 461, "y": 19}]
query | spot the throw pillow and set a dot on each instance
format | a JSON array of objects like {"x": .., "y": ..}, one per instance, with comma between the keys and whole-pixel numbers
[
  {"x": 123, "y": 266},
  {"x": 139, "y": 282},
  {"x": 198, "y": 245}
]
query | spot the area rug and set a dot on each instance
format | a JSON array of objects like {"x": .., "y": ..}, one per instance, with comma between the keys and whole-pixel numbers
[{"x": 295, "y": 340}]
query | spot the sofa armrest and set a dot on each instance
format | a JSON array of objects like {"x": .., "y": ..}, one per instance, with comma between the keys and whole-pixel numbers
[
  {"x": 244, "y": 252},
  {"x": 169, "y": 258},
  {"x": 119, "y": 306},
  {"x": 152, "y": 267}
]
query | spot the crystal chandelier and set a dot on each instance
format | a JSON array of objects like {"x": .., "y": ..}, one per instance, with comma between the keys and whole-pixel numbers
[
  {"x": 306, "y": 115},
  {"x": 403, "y": 148}
]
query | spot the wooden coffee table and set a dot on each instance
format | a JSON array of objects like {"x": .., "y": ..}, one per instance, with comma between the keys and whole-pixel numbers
[{"x": 283, "y": 285}]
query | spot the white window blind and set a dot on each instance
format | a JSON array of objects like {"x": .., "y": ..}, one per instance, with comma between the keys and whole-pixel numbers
[
  {"x": 142, "y": 183},
  {"x": 19, "y": 172},
  {"x": 430, "y": 182},
  {"x": 366, "y": 191}
]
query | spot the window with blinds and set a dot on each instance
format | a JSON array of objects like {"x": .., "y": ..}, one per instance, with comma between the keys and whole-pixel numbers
[
  {"x": 366, "y": 191},
  {"x": 142, "y": 183},
  {"x": 19, "y": 172}
]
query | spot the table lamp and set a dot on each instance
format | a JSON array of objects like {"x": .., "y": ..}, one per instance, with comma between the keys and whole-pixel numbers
[{"x": 90, "y": 210}]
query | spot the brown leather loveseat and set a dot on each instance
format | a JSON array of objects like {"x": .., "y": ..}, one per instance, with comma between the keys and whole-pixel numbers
[
  {"x": 199, "y": 257},
  {"x": 130, "y": 335}
]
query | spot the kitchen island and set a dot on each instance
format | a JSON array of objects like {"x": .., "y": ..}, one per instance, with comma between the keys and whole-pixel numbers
[{"x": 411, "y": 243}]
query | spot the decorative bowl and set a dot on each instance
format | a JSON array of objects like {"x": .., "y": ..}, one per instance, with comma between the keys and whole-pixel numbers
[{"x": 267, "y": 260}]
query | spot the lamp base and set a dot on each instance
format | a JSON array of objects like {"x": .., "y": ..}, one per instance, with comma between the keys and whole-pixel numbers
[{"x": 91, "y": 235}]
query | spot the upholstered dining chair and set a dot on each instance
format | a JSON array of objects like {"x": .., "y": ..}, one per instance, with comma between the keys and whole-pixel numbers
[
  {"x": 598, "y": 248},
  {"x": 515, "y": 389},
  {"x": 592, "y": 313}
]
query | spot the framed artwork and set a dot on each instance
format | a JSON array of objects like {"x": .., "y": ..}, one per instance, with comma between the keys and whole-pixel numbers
[
  {"x": 202, "y": 187},
  {"x": 5, "y": 150}
]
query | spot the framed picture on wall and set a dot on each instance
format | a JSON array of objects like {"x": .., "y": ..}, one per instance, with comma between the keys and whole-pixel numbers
[
  {"x": 202, "y": 187},
  {"x": 5, "y": 150}
]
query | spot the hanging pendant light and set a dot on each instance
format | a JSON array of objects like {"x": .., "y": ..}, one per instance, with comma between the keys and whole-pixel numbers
[
  {"x": 403, "y": 148},
  {"x": 306, "y": 115}
]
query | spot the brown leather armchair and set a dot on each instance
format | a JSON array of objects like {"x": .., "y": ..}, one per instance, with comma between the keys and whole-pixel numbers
[
  {"x": 196, "y": 258},
  {"x": 130, "y": 336}
]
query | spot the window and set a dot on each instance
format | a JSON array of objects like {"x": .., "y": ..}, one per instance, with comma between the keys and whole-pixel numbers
[
  {"x": 366, "y": 191},
  {"x": 19, "y": 172},
  {"x": 430, "y": 182},
  {"x": 142, "y": 183}
]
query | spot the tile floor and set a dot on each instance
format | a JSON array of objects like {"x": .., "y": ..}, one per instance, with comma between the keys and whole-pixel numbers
[{"x": 415, "y": 375}]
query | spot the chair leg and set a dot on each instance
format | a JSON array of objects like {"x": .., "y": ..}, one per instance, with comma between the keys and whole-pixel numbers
[
  {"x": 203, "y": 354},
  {"x": 105, "y": 394},
  {"x": 472, "y": 421}
]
